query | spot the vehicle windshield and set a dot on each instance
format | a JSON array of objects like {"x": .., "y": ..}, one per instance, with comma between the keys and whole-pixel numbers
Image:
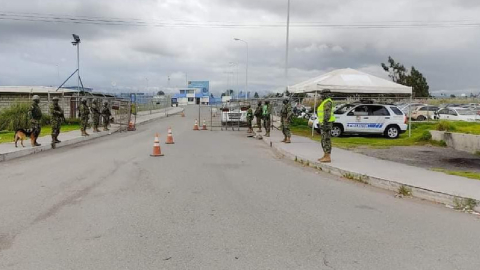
[{"x": 344, "y": 108}]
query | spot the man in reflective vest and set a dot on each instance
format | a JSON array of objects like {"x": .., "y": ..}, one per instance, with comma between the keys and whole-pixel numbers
[{"x": 326, "y": 118}]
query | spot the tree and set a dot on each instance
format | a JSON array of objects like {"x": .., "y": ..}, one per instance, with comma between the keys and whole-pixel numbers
[
  {"x": 453, "y": 96},
  {"x": 256, "y": 95},
  {"x": 396, "y": 71},
  {"x": 419, "y": 83},
  {"x": 414, "y": 78},
  {"x": 160, "y": 93},
  {"x": 223, "y": 94}
]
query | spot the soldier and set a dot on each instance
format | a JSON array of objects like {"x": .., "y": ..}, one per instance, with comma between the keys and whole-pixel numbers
[
  {"x": 83, "y": 113},
  {"x": 249, "y": 119},
  {"x": 35, "y": 115},
  {"x": 106, "y": 116},
  {"x": 57, "y": 118},
  {"x": 95, "y": 115},
  {"x": 326, "y": 118},
  {"x": 266, "y": 112},
  {"x": 258, "y": 116},
  {"x": 286, "y": 118}
]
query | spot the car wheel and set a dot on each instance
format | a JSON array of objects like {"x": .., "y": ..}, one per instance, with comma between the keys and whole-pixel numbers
[
  {"x": 421, "y": 118},
  {"x": 337, "y": 131},
  {"x": 392, "y": 132}
]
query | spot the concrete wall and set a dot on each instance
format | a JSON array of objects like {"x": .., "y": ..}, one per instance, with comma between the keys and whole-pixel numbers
[{"x": 458, "y": 141}]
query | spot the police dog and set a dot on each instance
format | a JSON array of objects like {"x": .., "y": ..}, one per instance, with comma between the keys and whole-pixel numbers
[{"x": 21, "y": 134}]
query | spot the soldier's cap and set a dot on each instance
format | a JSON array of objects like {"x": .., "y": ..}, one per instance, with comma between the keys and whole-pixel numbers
[
  {"x": 35, "y": 97},
  {"x": 55, "y": 99}
]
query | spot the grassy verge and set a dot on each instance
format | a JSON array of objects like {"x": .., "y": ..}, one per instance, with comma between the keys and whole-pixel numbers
[
  {"x": 471, "y": 175},
  {"x": 7, "y": 136},
  {"x": 419, "y": 137}
]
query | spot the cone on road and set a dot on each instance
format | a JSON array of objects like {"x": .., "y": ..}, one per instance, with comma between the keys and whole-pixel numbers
[
  {"x": 169, "y": 137},
  {"x": 183, "y": 114},
  {"x": 157, "y": 152},
  {"x": 204, "y": 127},
  {"x": 131, "y": 126},
  {"x": 195, "y": 127}
]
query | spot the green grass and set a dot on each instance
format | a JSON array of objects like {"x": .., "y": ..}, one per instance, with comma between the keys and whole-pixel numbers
[
  {"x": 7, "y": 136},
  {"x": 420, "y": 135},
  {"x": 471, "y": 175}
]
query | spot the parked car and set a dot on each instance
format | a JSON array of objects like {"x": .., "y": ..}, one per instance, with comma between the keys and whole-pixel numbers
[
  {"x": 458, "y": 114},
  {"x": 386, "y": 120},
  {"x": 423, "y": 113},
  {"x": 410, "y": 107}
]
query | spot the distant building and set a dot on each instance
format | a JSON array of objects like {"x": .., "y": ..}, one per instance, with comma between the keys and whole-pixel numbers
[{"x": 190, "y": 96}]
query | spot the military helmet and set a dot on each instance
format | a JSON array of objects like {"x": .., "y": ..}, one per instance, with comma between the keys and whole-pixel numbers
[
  {"x": 84, "y": 100},
  {"x": 285, "y": 101},
  {"x": 267, "y": 101},
  {"x": 105, "y": 102},
  {"x": 55, "y": 99},
  {"x": 36, "y": 97}
]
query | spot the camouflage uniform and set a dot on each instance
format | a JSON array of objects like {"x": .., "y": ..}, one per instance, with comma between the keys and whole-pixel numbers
[
  {"x": 106, "y": 116},
  {"x": 83, "y": 113},
  {"x": 266, "y": 113},
  {"x": 57, "y": 118},
  {"x": 35, "y": 115},
  {"x": 286, "y": 118},
  {"x": 95, "y": 115},
  {"x": 326, "y": 129},
  {"x": 258, "y": 116},
  {"x": 249, "y": 119}
]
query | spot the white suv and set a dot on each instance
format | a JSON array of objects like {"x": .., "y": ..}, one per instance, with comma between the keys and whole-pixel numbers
[{"x": 387, "y": 120}]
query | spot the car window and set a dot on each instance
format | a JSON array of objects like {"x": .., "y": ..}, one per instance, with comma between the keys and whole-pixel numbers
[
  {"x": 360, "y": 110},
  {"x": 423, "y": 108},
  {"x": 378, "y": 111},
  {"x": 452, "y": 112},
  {"x": 396, "y": 111},
  {"x": 443, "y": 111},
  {"x": 432, "y": 108},
  {"x": 344, "y": 108}
]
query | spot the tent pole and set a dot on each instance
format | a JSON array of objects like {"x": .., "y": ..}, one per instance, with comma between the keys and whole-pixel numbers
[
  {"x": 410, "y": 116},
  {"x": 314, "y": 111}
]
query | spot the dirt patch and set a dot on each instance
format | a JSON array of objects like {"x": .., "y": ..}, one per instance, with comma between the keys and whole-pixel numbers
[{"x": 428, "y": 157}]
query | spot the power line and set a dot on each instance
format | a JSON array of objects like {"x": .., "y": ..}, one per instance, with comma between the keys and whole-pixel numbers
[{"x": 88, "y": 20}]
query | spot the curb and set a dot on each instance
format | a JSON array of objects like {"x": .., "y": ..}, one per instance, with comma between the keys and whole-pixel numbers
[
  {"x": 417, "y": 192},
  {"x": 30, "y": 151}
]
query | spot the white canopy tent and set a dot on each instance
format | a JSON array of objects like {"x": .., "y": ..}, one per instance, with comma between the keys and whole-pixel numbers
[{"x": 350, "y": 81}]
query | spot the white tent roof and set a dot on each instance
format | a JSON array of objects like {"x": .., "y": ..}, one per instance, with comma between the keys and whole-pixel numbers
[{"x": 350, "y": 81}]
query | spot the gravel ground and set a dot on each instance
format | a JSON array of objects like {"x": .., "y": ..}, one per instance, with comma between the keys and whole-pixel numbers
[{"x": 428, "y": 157}]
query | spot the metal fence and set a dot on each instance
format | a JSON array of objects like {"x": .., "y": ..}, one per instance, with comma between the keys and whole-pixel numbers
[{"x": 120, "y": 108}]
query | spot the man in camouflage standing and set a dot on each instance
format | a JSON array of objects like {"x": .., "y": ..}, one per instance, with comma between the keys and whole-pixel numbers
[
  {"x": 250, "y": 119},
  {"x": 35, "y": 116},
  {"x": 258, "y": 116},
  {"x": 83, "y": 113},
  {"x": 326, "y": 118},
  {"x": 266, "y": 113},
  {"x": 286, "y": 118},
  {"x": 95, "y": 115},
  {"x": 106, "y": 115},
  {"x": 57, "y": 119}
]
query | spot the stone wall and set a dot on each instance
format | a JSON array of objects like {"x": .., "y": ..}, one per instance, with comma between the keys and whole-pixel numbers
[{"x": 458, "y": 141}]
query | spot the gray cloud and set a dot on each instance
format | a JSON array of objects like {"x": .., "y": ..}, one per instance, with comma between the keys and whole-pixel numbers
[{"x": 40, "y": 53}]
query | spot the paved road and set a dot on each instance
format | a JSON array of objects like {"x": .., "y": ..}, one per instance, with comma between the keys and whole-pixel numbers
[{"x": 217, "y": 200}]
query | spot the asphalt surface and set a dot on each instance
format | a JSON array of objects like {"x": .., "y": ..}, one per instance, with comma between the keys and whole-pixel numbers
[{"x": 216, "y": 200}]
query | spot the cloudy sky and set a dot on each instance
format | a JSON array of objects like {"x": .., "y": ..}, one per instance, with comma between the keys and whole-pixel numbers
[{"x": 128, "y": 45}]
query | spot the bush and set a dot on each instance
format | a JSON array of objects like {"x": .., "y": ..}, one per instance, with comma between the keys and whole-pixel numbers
[
  {"x": 446, "y": 126},
  {"x": 426, "y": 136},
  {"x": 299, "y": 122},
  {"x": 14, "y": 117}
]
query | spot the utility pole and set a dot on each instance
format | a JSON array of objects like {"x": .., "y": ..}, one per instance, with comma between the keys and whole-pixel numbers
[{"x": 286, "y": 52}]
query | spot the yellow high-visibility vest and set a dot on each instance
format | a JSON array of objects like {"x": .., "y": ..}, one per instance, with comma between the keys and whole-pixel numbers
[{"x": 320, "y": 113}]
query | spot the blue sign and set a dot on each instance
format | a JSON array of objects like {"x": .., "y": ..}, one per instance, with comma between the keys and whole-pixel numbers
[
  {"x": 203, "y": 85},
  {"x": 133, "y": 98}
]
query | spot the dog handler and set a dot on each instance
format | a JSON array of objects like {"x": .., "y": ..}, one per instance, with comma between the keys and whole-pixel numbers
[{"x": 35, "y": 115}]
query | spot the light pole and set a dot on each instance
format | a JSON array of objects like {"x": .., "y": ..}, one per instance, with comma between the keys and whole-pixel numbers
[
  {"x": 246, "y": 71},
  {"x": 286, "y": 52},
  {"x": 76, "y": 42}
]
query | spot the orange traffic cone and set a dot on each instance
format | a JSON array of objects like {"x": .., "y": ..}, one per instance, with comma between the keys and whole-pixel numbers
[
  {"x": 204, "y": 125},
  {"x": 131, "y": 126},
  {"x": 157, "y": 152},
  {"x": 195, "y": 127},
  {"x": 183, "y": 114},
  {"x": 169, "y": 137}
]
